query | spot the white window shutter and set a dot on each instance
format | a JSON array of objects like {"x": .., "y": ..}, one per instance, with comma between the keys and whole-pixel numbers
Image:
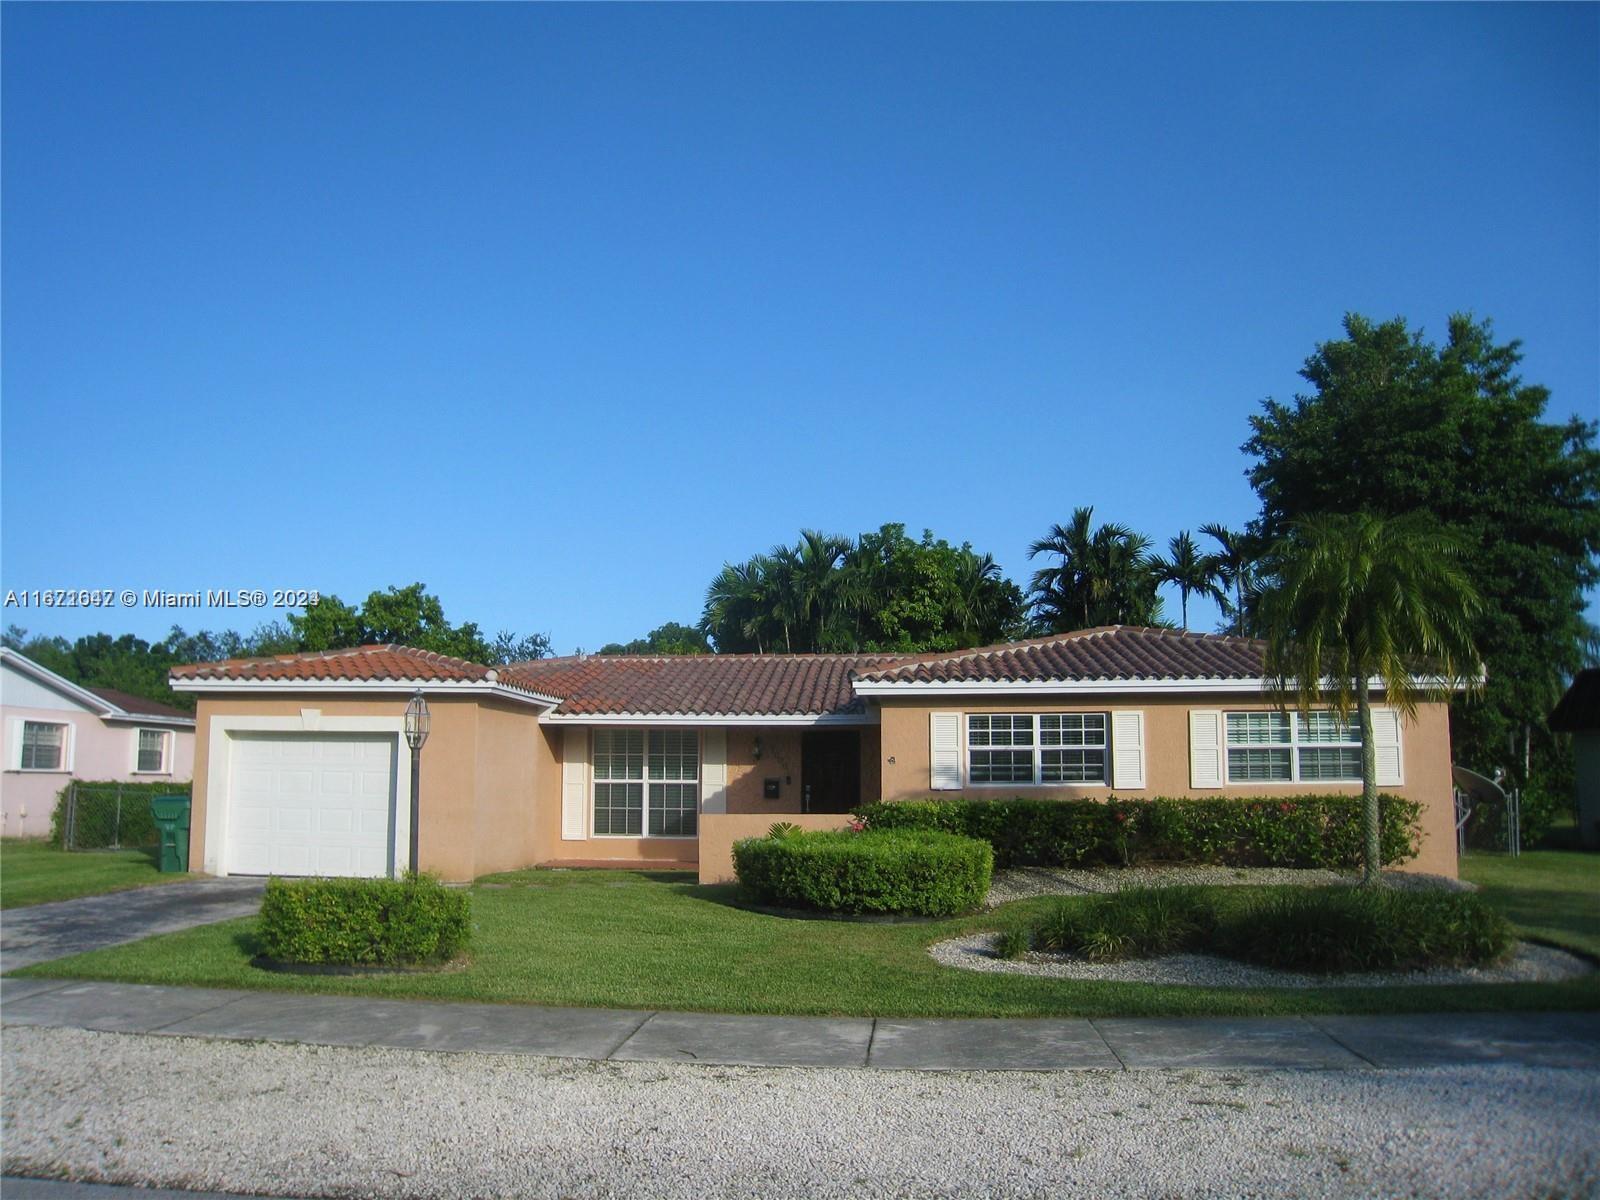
[
  {"x": 16, "y": 743},
  {"x": 1127, "y": 750},
  {"x": 944, "y": 751},
  {"x": 714, "y": 771},
  {"x": 1386, "y": 746},
  {"x": 1205, "y": 748},
  {"x": 575, "y": 786}
]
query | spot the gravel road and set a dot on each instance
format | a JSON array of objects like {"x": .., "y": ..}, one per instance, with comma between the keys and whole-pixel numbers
[{"x": 318, "y": 1121}]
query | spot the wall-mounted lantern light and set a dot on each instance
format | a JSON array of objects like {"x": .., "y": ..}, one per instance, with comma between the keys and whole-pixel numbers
[{"x": 756, "y": 748}]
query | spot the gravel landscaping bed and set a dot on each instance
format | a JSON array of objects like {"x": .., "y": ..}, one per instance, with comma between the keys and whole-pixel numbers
[
  {"x": 272, "y": 1119},
  {"x": 1530, "y": 964},
  {"x": 1018, "y": 883}
]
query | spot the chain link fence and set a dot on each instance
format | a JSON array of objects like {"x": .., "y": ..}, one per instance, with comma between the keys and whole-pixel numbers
[{"x": 108, "y": 816}]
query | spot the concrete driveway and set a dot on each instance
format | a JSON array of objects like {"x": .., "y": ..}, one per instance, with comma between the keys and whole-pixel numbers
[{"x": 44, "y": 931}]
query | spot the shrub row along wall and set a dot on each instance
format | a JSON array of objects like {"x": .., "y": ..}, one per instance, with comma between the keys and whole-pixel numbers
[
  {"x": 1299, "y": 831},
  {"x": 922, "y": 872}
]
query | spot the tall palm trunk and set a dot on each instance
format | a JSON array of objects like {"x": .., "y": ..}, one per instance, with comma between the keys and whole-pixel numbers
[{"x": 1370, "y": 827}]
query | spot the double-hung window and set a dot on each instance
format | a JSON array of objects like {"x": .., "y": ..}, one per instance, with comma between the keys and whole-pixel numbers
[
  {"x": 43, "y": 746},
  {"x": 152, "y": 751},
  {"x": 646, "y": 780},
  {"x": 1277, "y": 747},
  {"x": 1036, "y": 749}
]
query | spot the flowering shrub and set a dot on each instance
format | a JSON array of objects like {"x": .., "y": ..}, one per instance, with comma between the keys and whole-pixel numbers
[{"x": 1303, "y": 831}]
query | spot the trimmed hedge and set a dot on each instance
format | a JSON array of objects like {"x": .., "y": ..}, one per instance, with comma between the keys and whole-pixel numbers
[
  {"x": 925, "y": 873},
  {"x": 1328, "y": 930},
  {"x": 1293, "y": 831},
  {"x": 103, "y": 822},
  {"x": 381, "y": 922}
]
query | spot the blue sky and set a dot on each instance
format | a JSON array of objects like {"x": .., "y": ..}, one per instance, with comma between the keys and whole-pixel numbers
[{"x": 559, "y": 308}]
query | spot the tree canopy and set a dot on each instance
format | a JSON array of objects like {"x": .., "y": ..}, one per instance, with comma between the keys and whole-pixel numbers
[
  {"x": 882, "y": 592},
  {"x": 1100, "y": 575},
  {"x": 1395, "y": 424},
  {"x": 408, "y": 615},
  {"x": 671, "y": 638}
]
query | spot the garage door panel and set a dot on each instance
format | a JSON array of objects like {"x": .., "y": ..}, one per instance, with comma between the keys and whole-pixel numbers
[{"x": 311, "y": 804}]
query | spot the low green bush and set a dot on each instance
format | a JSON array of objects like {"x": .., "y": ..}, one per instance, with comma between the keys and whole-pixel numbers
[
  {"x": 1137, "y": 923},
  {"x": 1335, "y": 930},
  {"x": 1295, "y": 831},
  {"x": 1329, "y": 930},
  {"x": 919, "y": 872},
  {"x": 381, "y": 922}
]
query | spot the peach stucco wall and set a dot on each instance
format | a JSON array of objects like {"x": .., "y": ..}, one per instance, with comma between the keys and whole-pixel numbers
[
  {"x": 479, "y": 771},
  {"x": 1425, "y": 749},
  {"x": 719, "y": 831}
]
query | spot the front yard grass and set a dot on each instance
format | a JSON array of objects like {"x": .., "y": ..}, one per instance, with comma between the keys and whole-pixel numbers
[
  {"x": 35, "y": 872},
  {"x": 1553, "y": 895},
  {"x": 649, "y": 940}
]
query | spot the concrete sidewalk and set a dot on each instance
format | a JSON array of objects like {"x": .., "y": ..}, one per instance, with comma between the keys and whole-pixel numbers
[
  {"x": 1115, "y": 1044},
  {"x": 41, "y": 932}
]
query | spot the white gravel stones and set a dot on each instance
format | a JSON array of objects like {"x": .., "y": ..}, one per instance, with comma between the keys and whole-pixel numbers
[
  {"x": 1530, "y": 964},
  {"x": 315, "y": 1121},
  {"x": 1017, "y": 883}
]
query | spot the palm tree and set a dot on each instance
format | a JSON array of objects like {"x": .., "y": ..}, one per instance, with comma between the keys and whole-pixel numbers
[
  {"x": 1103, "y": 577},
  {"x": 1356, "y": 600},
  {"x": 736, "y": 611},
  {"x": 812, "y": 572},
  {"x": 1236, "y": 559},
  {"x": 1191, "y": 572}
]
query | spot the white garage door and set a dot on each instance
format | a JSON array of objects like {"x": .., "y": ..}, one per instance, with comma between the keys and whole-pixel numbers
[{"x": 311, "y": 804}]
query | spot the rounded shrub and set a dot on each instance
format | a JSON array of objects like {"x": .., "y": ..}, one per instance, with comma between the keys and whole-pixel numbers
[
  {"x": 353, "y": 922},
  {"x": 919, "y": 872}
]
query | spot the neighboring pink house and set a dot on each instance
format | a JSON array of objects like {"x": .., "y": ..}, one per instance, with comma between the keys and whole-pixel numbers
[{"x": 55, "y": 730}]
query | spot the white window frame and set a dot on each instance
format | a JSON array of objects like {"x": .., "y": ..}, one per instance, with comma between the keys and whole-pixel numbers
[
  {"x": 1038, "y": 750},
  {"x": 164, "y": 767},
  {"x": 645, "y": 781},
  {"x": 1294, "y": 746},
  {"x": 63, "y": 763}
]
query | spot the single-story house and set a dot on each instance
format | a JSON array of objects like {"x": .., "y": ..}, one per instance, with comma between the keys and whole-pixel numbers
[
  {"x": 1578, "y": 713},
  {"x": 301, "y": 766},
  {"x": 55, "y": 730}
]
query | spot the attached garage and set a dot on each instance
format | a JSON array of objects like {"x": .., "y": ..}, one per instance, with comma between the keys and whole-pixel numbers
[{"x": 311, "y": 804}]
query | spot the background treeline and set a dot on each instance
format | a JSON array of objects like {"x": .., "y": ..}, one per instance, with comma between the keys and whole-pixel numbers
[{"x": 1391, "y": 423}]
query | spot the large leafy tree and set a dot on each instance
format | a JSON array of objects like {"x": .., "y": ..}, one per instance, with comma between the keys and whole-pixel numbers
[
  {"x": 1393, "y": 424},
  {"x": 1102, "y": 575},
  {"x": 1188, "y": 570},
  {"x": 884, "y": 591},
  {"x": 1355, "y": 598},
  {"x": 408, "y": 616}
]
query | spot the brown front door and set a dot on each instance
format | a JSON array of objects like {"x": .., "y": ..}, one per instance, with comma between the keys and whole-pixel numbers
[{"x": 830, "y": 770}]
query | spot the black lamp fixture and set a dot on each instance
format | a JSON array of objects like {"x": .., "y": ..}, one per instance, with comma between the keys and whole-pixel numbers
[
  {"x": 755, "y": 748},
  {"x": 416, "y": 735}
]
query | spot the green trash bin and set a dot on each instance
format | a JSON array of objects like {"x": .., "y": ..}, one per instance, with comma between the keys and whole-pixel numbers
[{"x": 171, "y": 815}]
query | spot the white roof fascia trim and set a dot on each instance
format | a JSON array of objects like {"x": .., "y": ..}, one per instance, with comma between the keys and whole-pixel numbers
[
  {"x": 999, "y": 687},
  {"x": 469, "y": 687},
  {"x": 133, "y": 718},
  {"x": 98, "y": 705},
  {"x": 851, "y": 719}
]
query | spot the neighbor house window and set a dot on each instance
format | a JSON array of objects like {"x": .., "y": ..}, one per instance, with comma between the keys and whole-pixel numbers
[
  {"x": 1047, "y": 748},
  {"x": 152, "y": 750},
  {"x": 646, "y": 780},
  {"x": 43, "y": 746},
  {"x": 1275, "y": 747}
]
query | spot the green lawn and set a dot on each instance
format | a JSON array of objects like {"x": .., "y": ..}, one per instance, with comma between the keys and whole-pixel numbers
[
  {"x": 626, "y": 939},
  {"x": 1550, "y": 894},
  {"x": 33, "y": 872}
]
